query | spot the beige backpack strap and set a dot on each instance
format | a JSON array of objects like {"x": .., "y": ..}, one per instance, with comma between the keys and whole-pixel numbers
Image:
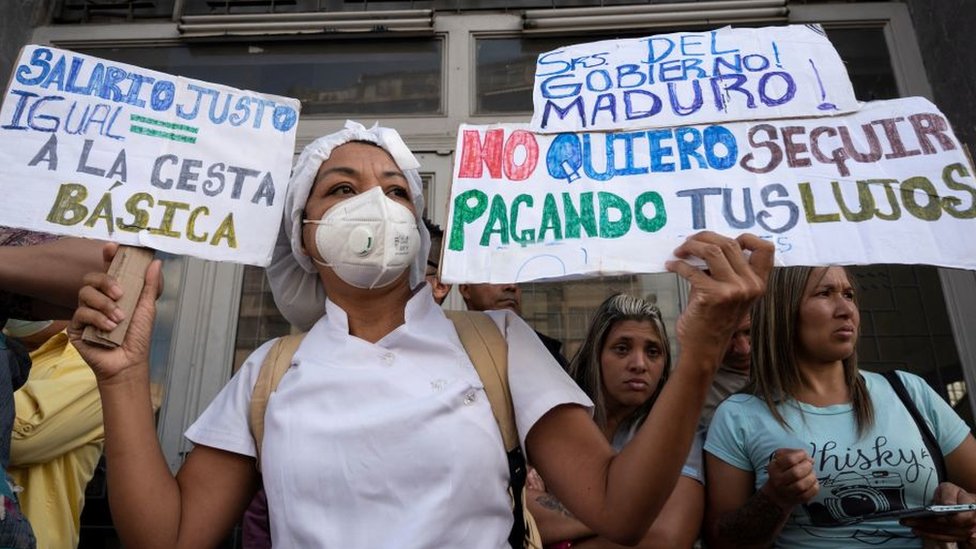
[
  {"x": 275, "y": 364},
  {"x": 488, "y": 351}
]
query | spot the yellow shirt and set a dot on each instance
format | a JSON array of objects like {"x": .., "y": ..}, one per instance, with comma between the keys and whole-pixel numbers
[{"x": 57, "y": 440}]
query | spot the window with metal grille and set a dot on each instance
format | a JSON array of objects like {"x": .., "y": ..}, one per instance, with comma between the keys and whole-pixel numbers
[{"x": 103, "y": 11}]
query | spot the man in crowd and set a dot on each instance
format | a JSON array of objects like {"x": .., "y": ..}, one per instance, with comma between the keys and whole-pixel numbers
[
  {"x": 486, "y": 297},
  {"x": 440, "y": 290},
  {"x": 733, "y": 373}
]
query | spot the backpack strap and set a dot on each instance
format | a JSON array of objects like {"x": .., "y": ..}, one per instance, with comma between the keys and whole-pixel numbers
[
  {"x": 275, "y": 364},
  {"x": 927, "y": 437},
  {"x": 488, "y": 351}
]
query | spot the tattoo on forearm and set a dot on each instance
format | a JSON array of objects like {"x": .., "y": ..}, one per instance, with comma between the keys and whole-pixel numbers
[
  {"x": 757, "y": 522},
  {"x": 551, "y": 503}
]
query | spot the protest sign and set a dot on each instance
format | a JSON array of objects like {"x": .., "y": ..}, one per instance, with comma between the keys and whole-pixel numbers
[
  {"x": 105, "y": 150},
  {"x": 887, "y": 184},
  {"x": 690, "y": 78}
]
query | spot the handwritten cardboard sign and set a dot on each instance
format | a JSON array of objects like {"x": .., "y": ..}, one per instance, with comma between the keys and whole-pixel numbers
[
  {"x": 887, "y": 184},
  {"x": 106, "y": 150},
  {"x": 690, "y": 78}
]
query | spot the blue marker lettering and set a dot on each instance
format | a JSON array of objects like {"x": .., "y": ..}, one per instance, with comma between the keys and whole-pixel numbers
[
  {"x": 698, "y": 204},
  {"x": 631, "y": 113},
  {"x": 604, "y": 102},
  {"x": 259, "y": 116},
  {"x": 788, "y": 93},
  {"x": 689, "y": 140},
  {"x": 196, "y": 104},
  {"x": 284, "y": 118},
  {"x": 18, "y": 110},
  {"x": 696, "y": 101},
  {"x": 688, "y": 44},
  {"x": 110, "y": 85},
  {"x": 162, "y": 96},
  {"x": 715, "y": 50},
  {"x": 564, "y": 157},
  {"x": 719, "y": 135},
  {"x": 626, "y": 71},
  {"x": 555, "y": 91},
  {"x": 596, "y": 86},
  {"x": 576, "y": 104},
  {"x": 588, "y": 159},
  {"x": 658, "y": 152},
  {"x": 628, "y": 139},
  {"x": 41, "y": 58},
  {"x": 32, "y": 114},
  {"x": 544, "y": 60}
]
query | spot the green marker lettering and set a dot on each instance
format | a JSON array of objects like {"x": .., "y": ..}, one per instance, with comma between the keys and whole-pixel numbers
[
  {"x": 806, "y": 197},
  {"x": 465, "y": 211},
  {"x": 550, "y": 219},
  {"x": 608, "y": 228}
]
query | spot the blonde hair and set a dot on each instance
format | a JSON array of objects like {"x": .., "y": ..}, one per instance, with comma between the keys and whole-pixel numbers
[
  {"x": 585, "y": 366},
  {"x": 775, "y": 370}
]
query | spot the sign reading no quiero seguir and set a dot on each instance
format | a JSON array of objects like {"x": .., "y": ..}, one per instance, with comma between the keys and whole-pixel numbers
[{"x": 887, "y": 184}]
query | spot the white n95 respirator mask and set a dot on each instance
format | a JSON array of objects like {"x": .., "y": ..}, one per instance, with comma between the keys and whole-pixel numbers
[{"x": 368, "y": 240}]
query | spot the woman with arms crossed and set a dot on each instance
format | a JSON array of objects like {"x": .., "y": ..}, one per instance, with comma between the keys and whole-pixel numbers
[
  {"x": 380, "y": 435},
  {"x": 622, "y": 366},
  {"x": 813, "y": 444}
]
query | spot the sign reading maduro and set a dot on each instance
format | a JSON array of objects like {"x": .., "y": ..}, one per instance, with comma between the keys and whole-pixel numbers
[
  {"x": 691, "y": 78},
  {"x": 887, "y": 184},
  {"x": 107, "y": 150}
]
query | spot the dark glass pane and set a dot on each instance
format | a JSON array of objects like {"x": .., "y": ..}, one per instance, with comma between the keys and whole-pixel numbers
[
  {"x": 259, "y": 319},
  {"x": 505, "y": 73},
  {"x": 335, "y": 77},
  {"x": 905, "y": 326},
  {"x": 865, "y": 53},
  {"x": 506, "y": 69}
]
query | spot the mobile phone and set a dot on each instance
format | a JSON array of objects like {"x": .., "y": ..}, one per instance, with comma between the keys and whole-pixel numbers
[{"x": 921, "y": 512}]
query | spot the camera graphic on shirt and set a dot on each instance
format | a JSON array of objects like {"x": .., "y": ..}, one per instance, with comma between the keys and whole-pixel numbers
[{"x": 852, "y": 495}]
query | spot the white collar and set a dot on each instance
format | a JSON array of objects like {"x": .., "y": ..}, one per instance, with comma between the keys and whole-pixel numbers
[{"x": 420, "y": 304}]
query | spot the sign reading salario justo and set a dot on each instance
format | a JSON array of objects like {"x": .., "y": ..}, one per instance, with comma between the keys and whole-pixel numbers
[
  {"x": 887, "y": 184},
  {"x": 106, "y": 150},
  {"x": 690, "y": 78}
]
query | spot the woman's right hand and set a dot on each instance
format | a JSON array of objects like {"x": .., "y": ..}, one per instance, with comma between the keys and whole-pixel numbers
[
  {"x": 792, "y": 480},
  {"x": 97, "y": 307}
]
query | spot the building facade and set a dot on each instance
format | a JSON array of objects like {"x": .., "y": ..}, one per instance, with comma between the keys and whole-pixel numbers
[{"x": 426, "y": 66}]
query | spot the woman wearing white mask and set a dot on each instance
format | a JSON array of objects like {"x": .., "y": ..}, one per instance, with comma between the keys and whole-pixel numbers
[{"x": 380, "y": 435}]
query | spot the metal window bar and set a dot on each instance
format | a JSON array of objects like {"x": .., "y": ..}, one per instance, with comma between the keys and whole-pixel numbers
[
  {"x": 127, "y": 10},
  {"x": 294, "y": 23},
  {"x": 650, "y": 15}
]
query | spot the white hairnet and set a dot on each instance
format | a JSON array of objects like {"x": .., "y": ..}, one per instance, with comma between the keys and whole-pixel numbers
[{"x": 295, "y": 283}]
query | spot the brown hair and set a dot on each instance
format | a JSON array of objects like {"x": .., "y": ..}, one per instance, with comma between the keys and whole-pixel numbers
[
  {"x": 775, "y": 371},
  {"x": 585, "y": 366}
]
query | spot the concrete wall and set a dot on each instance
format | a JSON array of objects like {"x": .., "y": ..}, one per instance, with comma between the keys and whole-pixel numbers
[
  {"x": 17, "y": 20},
  {"x": 946, "y": 33}
]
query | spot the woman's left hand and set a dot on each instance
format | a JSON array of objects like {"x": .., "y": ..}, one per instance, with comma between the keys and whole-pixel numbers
[{"x": 959, "y": 527}]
